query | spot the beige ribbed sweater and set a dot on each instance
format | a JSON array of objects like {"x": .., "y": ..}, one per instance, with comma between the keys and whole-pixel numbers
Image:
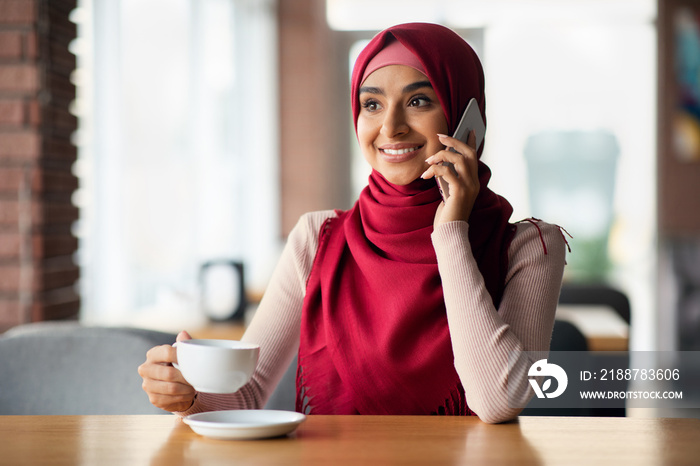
[{"x": 483, "y": 338}]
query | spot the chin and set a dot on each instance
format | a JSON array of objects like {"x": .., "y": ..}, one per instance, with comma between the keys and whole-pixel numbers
[{"x": 399, "y": 179}]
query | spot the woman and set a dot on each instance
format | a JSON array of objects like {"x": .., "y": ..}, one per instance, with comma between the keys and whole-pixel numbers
[{"x": 404, "y": 304}]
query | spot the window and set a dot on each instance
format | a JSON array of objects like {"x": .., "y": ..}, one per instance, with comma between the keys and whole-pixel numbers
[{"x": 177, "y": 151}]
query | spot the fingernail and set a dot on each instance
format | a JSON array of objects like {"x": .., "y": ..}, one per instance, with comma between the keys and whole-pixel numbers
[
  {"x": 430, "y": 159},
  {"x": 425, "y": 173},
  {"x": 440, "y": 135}
]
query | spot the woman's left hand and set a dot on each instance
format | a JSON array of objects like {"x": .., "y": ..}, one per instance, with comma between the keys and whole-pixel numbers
[{"x": 462, "y": 177}]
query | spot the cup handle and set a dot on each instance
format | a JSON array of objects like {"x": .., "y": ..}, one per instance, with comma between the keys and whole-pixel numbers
[{"x": 175, "y": 365}]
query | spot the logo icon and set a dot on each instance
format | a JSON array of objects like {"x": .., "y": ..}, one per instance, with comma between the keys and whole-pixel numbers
[{"x": 551, "y": 371}]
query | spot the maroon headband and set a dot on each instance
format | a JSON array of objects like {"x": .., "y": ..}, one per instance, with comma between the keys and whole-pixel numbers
[{"x": 394, "y": 53}]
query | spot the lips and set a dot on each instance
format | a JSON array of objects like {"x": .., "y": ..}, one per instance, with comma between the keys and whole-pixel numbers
[{"x": 399, "y": 153}]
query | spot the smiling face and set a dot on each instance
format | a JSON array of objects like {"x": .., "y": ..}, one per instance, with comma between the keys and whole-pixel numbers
[{"x": 400, "y": 118}]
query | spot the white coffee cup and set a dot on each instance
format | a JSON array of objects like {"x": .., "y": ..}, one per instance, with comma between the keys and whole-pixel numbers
[{"x": 216, "y": 366}]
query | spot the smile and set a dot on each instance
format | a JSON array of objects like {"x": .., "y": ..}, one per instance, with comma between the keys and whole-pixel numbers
[
  {"x": 399, "y": 151},
  {"x": 399, "y": 154}
]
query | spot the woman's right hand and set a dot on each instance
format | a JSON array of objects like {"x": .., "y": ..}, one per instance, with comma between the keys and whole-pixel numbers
[
  {"x": 462, "y": 177},
  {"x": 165, "y": 386}
]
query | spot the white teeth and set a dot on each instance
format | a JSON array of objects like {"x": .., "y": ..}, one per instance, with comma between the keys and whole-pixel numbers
[{"x": 400, "y": 151}]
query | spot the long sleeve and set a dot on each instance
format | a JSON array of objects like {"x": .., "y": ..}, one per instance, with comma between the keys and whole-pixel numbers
[
  {"x": 483, "y": 338},
  {"x": 277, "y": 321}
]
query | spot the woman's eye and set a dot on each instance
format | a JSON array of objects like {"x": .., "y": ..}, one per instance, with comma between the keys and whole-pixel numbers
[
  {"x": 419, "y": 102},
  {"x": 370, "y": 105}
]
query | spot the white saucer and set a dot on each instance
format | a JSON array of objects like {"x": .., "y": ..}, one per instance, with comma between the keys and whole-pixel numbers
[{"x": 243, "y": 424}]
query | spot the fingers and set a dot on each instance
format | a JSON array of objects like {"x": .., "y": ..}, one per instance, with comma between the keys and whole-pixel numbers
[
  {"x": 163, "y": 354},
  {"x": 183, "y": 336},
  {"x": 468, "y": 148},
  {"x": 460, "y": 160},
  {"x": 162, "y": 372},
  {"x": 443, "y": 169},
  {"x": 174, "y": 394},
  {"x": 458, "y": 166},
  {"x": 164, "y": 384},
  {"x": 168, "y": 396},
  {"x": 158, "y": 365},
  {"x": 165, "y": 388},
  {"x": 457, "y": 152}
]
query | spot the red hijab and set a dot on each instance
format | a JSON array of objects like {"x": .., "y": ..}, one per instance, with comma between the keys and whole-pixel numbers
[{"x": 374, "y": 333}]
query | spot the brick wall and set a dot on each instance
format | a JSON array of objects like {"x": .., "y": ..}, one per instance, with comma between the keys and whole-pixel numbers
[
  {"x": 314, "y": 112},
  {"x": 37, "y": 271}
]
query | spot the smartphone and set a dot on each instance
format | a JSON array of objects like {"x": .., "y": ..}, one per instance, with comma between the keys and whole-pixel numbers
[{"x": 471, "y": 120}]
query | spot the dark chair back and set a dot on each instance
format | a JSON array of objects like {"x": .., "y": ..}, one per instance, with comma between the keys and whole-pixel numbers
[
  {"x": 567, "y": 337},
  {"x": 596, "y": 294}
]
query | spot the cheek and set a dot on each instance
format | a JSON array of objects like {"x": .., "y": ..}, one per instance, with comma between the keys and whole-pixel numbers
[
  {"x": 437, "y": 125},
  {"x": 441, "y": 123},
  {"x": 364, "y": 132}
]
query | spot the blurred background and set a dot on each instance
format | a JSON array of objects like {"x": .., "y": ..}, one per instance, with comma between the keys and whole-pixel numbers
[{"x": 196, "y": 132}]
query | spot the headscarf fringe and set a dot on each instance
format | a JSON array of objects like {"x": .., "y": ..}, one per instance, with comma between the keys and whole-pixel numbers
[
  {"x": 562, "y": 230},
  {"x": 455, "y": 405}
]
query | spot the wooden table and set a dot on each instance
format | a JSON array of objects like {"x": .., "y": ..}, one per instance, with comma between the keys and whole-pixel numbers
[
  {"x": 357, "y": 440},
  {"x": 219, "y": 331}
]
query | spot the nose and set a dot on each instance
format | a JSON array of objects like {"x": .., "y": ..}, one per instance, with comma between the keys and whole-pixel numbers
[{"x": 394, "y": 123}]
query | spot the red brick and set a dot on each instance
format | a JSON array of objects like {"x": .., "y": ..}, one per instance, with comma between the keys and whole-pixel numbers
[
  {"x": 11, "y": 179},
  {"x": 23, "y": 145},
  {"x": 60, "y": 118},
  {"x": 10, "y": 313},
  {"x": 60, "y": 303},
  {"x": 9, "y": 245},
  {"x": 10, "y": 278},
  {"x": 55, "y": 181},
  {"x": 55, "y": 213},
  {"x": 45, "y": 246},
  {"x": 31, "y": 45},
  {"x": 60, "y": 149},
  {"x": 17, "y": 11},
  {"x": 9, "y": 212},
  {"x": 64, "y": 294},
  {"x": 59, "y": 278},
  {"x": 34, "y": 113},
  {"x": 59, "y": 85},
  {"x": 10, "y": 44},
  {"x": 11, "y": 112},
  {"x": 63, "y": 62},
  {"x": 52, "y": 274},
  {"x": 19, "y": 78},
  {"x": 56, "y": 311},
  {"x": 62, "y": 7}
]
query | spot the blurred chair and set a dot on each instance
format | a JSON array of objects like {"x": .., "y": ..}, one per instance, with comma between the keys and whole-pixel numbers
[
  {"x": 567, "y": 337},
  {"x": 596, "y": 294},
  {"x": 601, "y": 294},
  {"x": 284, "y": 396},
  {"x": 66, "y": 368}
]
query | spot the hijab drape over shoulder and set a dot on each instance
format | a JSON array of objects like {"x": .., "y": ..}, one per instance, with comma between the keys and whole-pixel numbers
[{"x": 374, "y": 333}]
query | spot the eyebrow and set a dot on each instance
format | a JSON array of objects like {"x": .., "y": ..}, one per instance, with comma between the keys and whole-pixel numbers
[{"x": 408, "y": 88}]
